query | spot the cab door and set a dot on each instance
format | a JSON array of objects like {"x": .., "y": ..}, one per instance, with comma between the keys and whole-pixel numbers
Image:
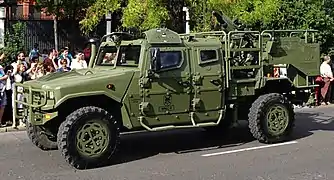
[
  {"x": 166, "y": 92},
  {"x": 208, "y": 83}
]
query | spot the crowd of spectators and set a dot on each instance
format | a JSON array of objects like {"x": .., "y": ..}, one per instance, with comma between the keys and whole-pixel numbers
[{"x": 31, "y": 67}]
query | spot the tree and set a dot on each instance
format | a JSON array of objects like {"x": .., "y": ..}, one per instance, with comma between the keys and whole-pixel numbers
[
  {"x": 14, "y": 42},
  {"x": 256, "y": 14},
  {"x": 139, "y": 14},
  {"x": 307, "y": 14},
  {"x": 73, "y": 9},
  {"x": 273, "y": 14},
  {"x": 97, "y": 11},
  {"x": 63, "y": 9}
]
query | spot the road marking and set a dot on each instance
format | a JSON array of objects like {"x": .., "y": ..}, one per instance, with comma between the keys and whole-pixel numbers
[{"x": 249, "y": 149}]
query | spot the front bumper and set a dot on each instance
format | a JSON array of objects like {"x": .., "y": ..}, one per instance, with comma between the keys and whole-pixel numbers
[{"x": 29, "y": 104}]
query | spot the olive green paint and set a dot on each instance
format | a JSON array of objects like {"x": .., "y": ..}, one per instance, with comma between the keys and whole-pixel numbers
[{"x": 194, "y": 93}]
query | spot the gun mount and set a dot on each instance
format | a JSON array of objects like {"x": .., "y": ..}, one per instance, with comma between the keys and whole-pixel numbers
[
  {"x": 226, "y": 23},
  {"x": 239, "y": 38}
]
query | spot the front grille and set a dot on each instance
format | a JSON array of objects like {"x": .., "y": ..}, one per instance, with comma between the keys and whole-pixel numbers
[
  {"x": 31, "y": 97},
  {"x": 28, "y": 101}
]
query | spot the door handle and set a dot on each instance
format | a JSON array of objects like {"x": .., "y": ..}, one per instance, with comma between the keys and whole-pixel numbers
[
  {"x": 184, "y": 83},
  {"x": 215, "y": 82}
]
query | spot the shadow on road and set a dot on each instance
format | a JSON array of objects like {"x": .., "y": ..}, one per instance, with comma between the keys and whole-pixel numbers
[
  {"x": 309, "y": 122},
  {"x": 144, "y": 145}
]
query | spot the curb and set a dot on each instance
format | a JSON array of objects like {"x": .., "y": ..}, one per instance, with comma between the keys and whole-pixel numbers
[{"x": 12, "y": 129}]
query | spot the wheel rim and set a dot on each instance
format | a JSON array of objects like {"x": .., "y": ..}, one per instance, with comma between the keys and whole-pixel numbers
[
  {"x": 92, "y": 138},
  {"x": 277, "y": 119}
]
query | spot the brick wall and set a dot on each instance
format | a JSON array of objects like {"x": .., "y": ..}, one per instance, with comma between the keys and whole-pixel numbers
[{"x": 28, "y": 7}]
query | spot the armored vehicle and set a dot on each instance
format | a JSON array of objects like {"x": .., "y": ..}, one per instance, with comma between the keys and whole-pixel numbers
[{"x": 165, "y": 80}]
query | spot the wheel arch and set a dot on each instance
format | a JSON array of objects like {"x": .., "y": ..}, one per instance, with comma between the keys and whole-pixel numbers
[
  {"x": 277, "y": 85},
  {"x": 99, "y": 100}
]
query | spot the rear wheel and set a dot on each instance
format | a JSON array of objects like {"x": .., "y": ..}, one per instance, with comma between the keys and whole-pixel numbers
[
  {"x": 271, "y": 118},
  {"x": 40, "y": 137},
  {"x": 88, "y": 137}
]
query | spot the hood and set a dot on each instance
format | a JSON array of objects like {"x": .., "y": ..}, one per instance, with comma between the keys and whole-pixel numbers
[{"x": 60, "y": 79}]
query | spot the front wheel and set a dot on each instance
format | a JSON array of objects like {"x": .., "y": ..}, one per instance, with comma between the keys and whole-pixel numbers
[
  {"x": 271, "y": 118},
  {"x": 40, "y": 137},
  {"x": 88, "y": 137}
]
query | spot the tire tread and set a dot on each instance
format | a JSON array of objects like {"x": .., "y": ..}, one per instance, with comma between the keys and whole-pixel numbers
[
  {"x": 254, "y": 117},
  {"x": 68, "y": 123}
]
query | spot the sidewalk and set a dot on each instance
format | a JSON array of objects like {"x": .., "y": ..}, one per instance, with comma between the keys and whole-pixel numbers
[{"x": 11, "y": 128}]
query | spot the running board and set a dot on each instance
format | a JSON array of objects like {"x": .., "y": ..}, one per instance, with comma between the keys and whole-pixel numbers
[{"x": 169, "y": 127}]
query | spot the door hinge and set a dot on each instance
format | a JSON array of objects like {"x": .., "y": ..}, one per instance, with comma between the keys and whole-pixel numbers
[
  {"x": 145, "y": 108},
  {"x": 196, "y": 104},
  {"x": 145, "y": 82},
  {"x": 197, "y": 80}
]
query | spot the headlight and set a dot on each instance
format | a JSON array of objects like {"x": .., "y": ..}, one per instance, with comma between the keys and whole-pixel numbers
[{"x": 51, "y": 95}]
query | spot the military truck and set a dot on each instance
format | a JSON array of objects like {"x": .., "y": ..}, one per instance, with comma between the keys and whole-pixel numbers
[{"x": 164, "y": 81}]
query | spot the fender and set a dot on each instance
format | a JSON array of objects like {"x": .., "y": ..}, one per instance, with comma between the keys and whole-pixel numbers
[
  {"x": 124, "y": 112},
  {"x": 85, "y": 94}
]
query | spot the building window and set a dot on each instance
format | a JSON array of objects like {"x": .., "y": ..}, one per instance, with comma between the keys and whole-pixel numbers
[
  {"x": 33, "y": 13},
  {"x": 16, "y": 12}
]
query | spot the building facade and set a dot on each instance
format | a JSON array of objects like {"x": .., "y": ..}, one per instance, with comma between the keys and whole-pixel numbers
[{"x": 39, "y": 27}]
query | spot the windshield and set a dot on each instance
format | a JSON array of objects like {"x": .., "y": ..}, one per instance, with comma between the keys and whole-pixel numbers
[{"x": 128, "y": 56}]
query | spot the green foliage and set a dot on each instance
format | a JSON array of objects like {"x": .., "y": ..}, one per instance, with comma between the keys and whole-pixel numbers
[
  {"x": 145, "y": 14},
  {"x": 250, "y": 12},
  {"x": 14, "y": 42},
  {"x": 306, "y": 14},
  {"x": 254, "y": 12},
  {"x": 140, "y": 14},
  {"x": 271, "y": 14},
  {"x": 97, "y": 11},
  {"x": 64, "y": 8}
]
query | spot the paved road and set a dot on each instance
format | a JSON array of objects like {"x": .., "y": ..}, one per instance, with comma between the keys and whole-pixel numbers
[{"x": 184, "y": 155}]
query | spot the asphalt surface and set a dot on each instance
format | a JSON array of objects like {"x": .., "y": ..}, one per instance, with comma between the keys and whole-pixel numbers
[{"x": 188, "y": 154}]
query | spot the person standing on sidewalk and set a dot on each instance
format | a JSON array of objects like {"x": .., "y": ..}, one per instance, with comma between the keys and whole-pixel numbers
[
  {"x": 3, "y": 97},
  {"x": 327, "y": 75}
]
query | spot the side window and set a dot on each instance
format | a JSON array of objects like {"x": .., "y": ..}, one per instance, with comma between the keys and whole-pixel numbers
[
  {"x": 208, "y": 55},
  {"x": 170, "y": 59}
]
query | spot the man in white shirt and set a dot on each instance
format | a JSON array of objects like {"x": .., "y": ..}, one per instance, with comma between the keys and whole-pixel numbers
[{"x": 327, "y": 75}]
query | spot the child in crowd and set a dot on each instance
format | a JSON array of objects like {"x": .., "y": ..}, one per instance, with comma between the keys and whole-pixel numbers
[{"x": 63, "y": 66}]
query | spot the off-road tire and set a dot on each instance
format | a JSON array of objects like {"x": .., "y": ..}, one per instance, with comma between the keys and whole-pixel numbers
[
  {"x": 258, "y": 121},
  {"x": 68, "y": 131},
  {"x": 40, "y": 139}
]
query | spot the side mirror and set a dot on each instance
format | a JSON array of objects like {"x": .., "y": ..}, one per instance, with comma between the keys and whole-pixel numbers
[{"x": 155, "y": 59}]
